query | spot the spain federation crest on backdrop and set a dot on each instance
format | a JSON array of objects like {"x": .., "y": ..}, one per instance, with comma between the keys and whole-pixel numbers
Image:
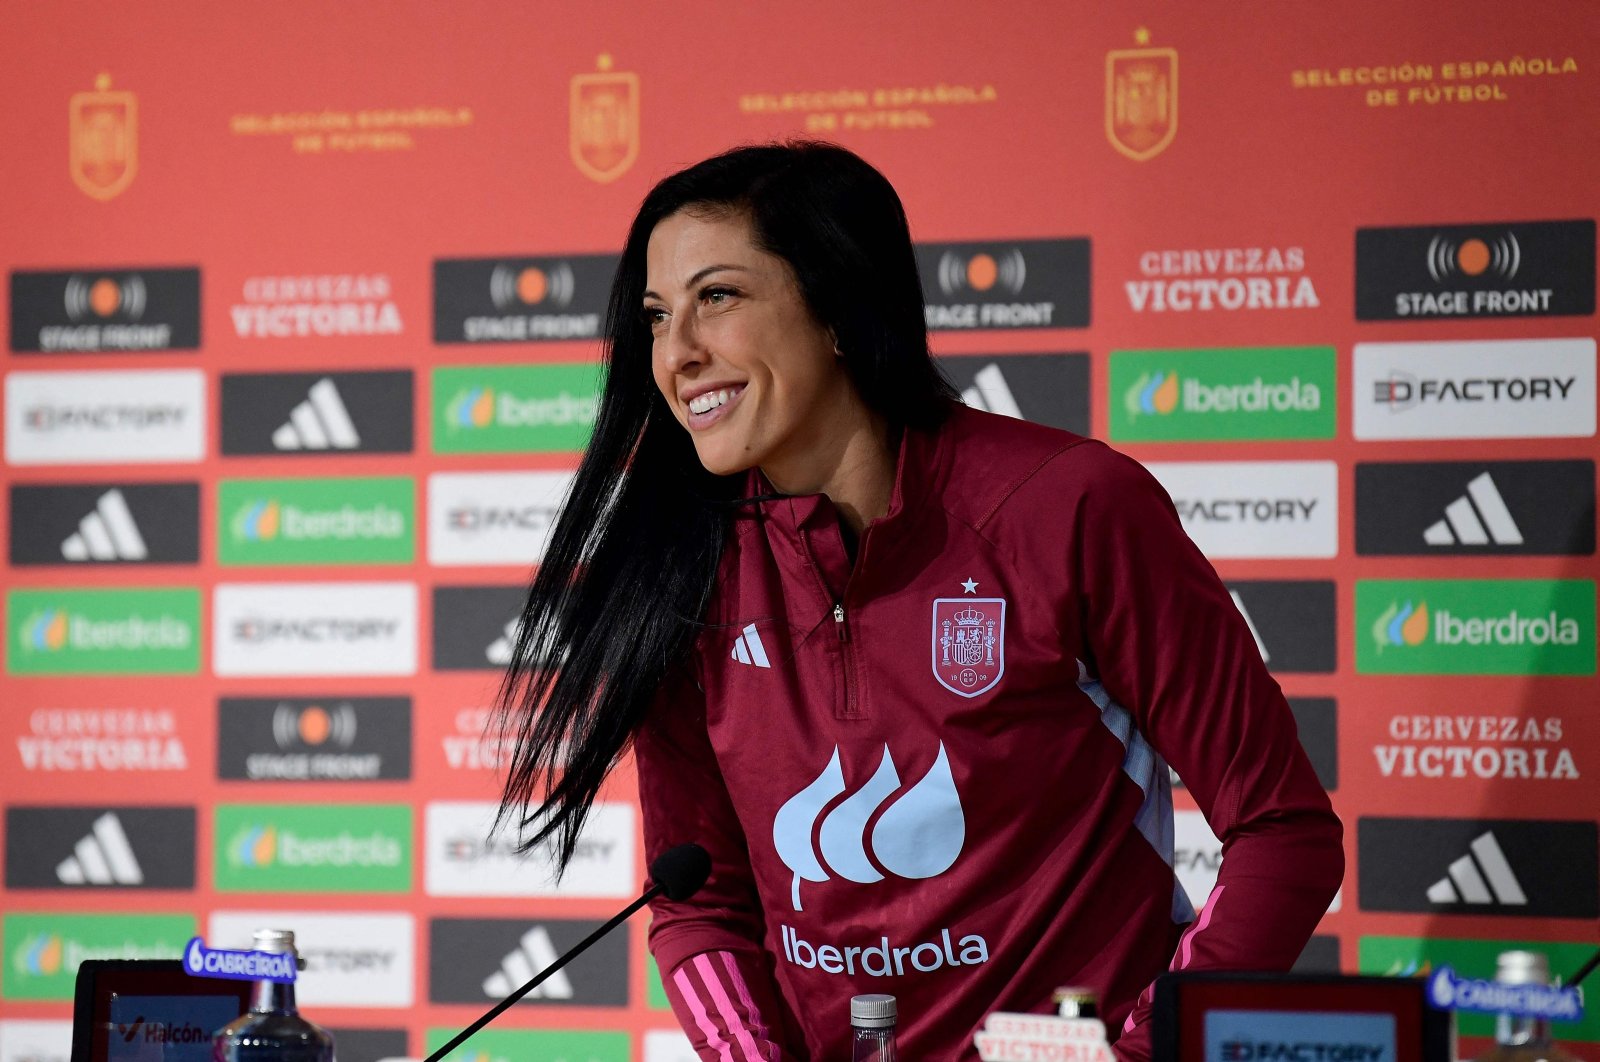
[
  {"x": 1141, "y": 98},
  {"x": 604, "y": 127},
  {"x": 103, "y": 139},
  {"x": 969, "y": 643}
]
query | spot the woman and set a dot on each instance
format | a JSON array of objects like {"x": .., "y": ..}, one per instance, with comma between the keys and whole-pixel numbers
[{"x": 911, "y": 673}]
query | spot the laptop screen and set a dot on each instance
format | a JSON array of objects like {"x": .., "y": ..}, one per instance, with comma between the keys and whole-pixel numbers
[{"x": 150, "y": 1010}]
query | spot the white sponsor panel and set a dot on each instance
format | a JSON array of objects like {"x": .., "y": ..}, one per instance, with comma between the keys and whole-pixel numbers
[
  {"x": 1256, "y": 508},
  {"x": 1478, "y": 389},
  {"x": 1197, "y": 856},
  {"x": 35, "y": 1041},
  {"x": 273, "y": 629},
  {"x": 492, "y": 517},
  {"x": 352, "y": 959},
  {"x": 668, "y": 1045},
  {"x": 463, "y": 860},
  {"x": 105, "y": 417}
]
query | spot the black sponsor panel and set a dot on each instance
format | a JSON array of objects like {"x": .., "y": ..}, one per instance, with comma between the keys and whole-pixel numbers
[
  {"x": 370, "y": 1045},
  {"x": 474, "y": 627},
  {"x": 314, "y": 739},
  {"x": 1492, "y": 269},
  {"x": 1317, "y": 720},
  {"x": 1051, "y": 389},
  {"x": 1320, "y": 955},
  {"x": 100, "y": 848},
  {"x": 518, "y": 300},
  {"x": 317, "y": 412},
  {"x": 1005, "y": 284},
  {"x": 106, "y": 523},
  {"x": 1536, "y": 869},
  {"x": 1293, "y": 620},
  {"x": 106, "y": 310},
  {"x": 1474, "y": 507},
  {"x": 480, "y": 960}
]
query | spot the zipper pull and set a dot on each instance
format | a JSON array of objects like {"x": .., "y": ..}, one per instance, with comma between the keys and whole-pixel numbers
[{"x": 838, "y": 622}]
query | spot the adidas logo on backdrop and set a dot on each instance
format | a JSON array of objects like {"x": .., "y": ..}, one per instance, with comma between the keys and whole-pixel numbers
[
  {"x": 534, "y": 953},
  {"x": 321, "y": 422},
  {"x": 1465, "y": 884},
  {"x": 107, "y": 533},
  {"x": 1462, "y": 524},
  {"x": 990, "y": 392},
  {"x": 104, "y": 857}
]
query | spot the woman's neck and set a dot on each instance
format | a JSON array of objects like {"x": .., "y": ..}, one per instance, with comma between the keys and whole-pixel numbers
[{"x": 857, "y": 477}]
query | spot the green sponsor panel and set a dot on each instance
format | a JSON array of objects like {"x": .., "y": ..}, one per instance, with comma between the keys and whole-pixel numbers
[
  {"x": 301, "y": 848},
  {"x": 656, "y": 994},
  {"x": 1418, "y": 956},
  {"x": 103, "y": 632},
  {"x": 1223, "y": 394},
  {"x": 369, "y": 520},
  {"x": 514, "y": 408},
  {"x": 535, "y": 1045},
  {"x": 42, "y": 951},
  {"x": 1475, "y": 627}
]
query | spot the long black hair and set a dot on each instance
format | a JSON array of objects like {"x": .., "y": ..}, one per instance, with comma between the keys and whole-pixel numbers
[{"x": 630, "y": 564}]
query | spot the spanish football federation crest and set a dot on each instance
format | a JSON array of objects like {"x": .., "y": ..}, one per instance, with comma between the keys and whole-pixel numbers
[
  {"x": 604, "y": 126},
  {"x": 1141, "y": 98},
  {"x": 103, "y": 139},
  {"x": 969, "y": 643}
]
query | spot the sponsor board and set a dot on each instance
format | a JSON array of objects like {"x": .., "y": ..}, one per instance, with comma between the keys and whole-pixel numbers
[
  {"x": 1475, "y": 507},
  {"x": 480, "y": 960},
  {"x": 519, "y": 300},
  {"x": 1474, "y": 389},
  {"x": 299, "y": 307},
  {"x": 1475, "y": 627},
  {"x": 312, "y": 848},
  {"x": 1320, "y": 955},
  {"x": 1256, "y": 508},
  {"x": 492, "y": 517},
  {"x": 463, "y": 859},
  {"x": 1250, "y": 1035},
  {"x": 1511, "y": 746},
  {"x": 165, "y": 1028},
  {"x": 100, "y": 847},
  {"x": 1316, "y": 720},
  {"x": 105, "y": 523},
  {"x": 314, "y": 739},
  {"x": 43, "y": 951},
  {"x": 1005, "y": 284},
  {"x": 1223, "y": 394},
  {"x": 26, "y": 1040},
  {"x": 514, "y": 408},
  {"x": 1489, "y": 269},
  {"x": 352, "y": 959},
  {"x": 314, "y": 629},
  {"x": 1197, "y": 858},
  {"x": 475, "y": 742},
  {"x": 1293, "y": 622},
  {"x": 317, "y": 412},
  {"x": 519, "y": 1045},
  {"x": 1203, "y": 279},
  {"x": 1049, "y": 389},
  {"x": 154, "y": 631},
  {"x": 475, "y": 627},
  {"x": 1418, "y": 956},
  {"x": 1521, "y": 867},
  {"x": 102, "y": 739},
  {"x": 74, "y": 418},
  {"x": 655, "y": 991},
  {"x": 668, "y": 1045},
  {"x": 347, "y": 520},
  {"x": 109, "y": 310},
  {"x": 370, "y": 1045}
]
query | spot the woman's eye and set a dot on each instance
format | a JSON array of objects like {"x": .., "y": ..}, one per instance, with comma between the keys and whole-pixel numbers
[
  {"x": 717, "y": 296},
  {"x": 653, "y": 315}
]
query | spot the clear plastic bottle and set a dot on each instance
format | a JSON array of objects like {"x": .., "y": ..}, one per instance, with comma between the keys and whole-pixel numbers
[
  {"x": 872, "y": 1021},
  {"x": 273, "y": 1030},
  {"x": 1518, "y": 1038}
]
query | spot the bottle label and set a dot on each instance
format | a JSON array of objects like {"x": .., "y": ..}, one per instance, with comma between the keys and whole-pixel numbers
[
  {"x": 201, "y": 961},
  {"x": 1447, "y": 991}
]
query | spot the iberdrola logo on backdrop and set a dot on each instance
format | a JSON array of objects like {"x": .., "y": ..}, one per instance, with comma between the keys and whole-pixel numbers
[
  {"x": 253, "y": 845},
  {"x": 472, "y": 407},
  {"x": 1153, "y": 393},
  {"x": 38, "y": 955},
  {"x": 1400, "y": 625},
  {"x": 46, "y": 629},
  {"x": 257, "y": 521}
]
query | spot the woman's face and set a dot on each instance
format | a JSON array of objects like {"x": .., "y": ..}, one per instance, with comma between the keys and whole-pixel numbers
[{"x": 737, "y": 353}]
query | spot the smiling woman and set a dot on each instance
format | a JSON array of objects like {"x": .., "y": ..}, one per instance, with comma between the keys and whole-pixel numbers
[{"x": 782, "y": 499}]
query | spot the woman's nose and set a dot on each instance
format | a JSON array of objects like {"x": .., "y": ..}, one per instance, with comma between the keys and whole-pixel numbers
[{"x": 680, "y": 347}]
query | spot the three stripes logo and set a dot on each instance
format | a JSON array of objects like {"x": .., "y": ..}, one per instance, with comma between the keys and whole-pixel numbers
[
  {"x": 1475, "y": 519},
  {"x": 108, "y": 848},
  {"x": 473, "y": 959},
  {"x": 1466, "y": 508},
  {"x": 105, "y": 523},
  {"x": 1481, "y": 877},
  {"x": 1049, "y": 389},
  {"x": 533, "y": 953},
  {"x": 104, "y": 857},
  {"x": 990, "y": 392},
  {"x": 106, "y": 534},
  {"x": 747, "y": 648},
  {"x": 321, "y": 422}
]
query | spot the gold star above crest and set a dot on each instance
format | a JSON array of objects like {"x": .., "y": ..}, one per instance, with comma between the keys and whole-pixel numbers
[
  {"x": 1141, "y": 36},
  {"x": 604, "y": 61}
]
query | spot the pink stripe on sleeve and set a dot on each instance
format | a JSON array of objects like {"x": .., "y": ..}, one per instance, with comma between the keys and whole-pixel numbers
[
  {"x": 701, "y": 1018},
  {"x": 758, "y": 1026},
  {"x": 1186, "y": 947},
  {"x": 730, "y": 1016}
]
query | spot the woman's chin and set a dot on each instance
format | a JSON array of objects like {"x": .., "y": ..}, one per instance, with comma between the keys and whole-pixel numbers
[{"x": 723, "y": 460}]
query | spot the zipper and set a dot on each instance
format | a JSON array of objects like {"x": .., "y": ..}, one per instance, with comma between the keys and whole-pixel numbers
[{"x": 839, "y": 623}]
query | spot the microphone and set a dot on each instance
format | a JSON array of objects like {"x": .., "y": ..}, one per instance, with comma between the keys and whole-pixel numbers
[{"x": 678, "y": 872}]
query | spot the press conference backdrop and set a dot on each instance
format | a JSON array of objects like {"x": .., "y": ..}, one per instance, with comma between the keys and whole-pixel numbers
[{"x": 302, "y": 313}]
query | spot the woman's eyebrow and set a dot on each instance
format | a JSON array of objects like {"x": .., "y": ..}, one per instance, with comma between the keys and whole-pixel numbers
[{"x": 701, "y": 275}]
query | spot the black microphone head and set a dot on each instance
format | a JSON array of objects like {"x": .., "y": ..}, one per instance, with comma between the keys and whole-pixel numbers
[{"x": 681, "y": 871}]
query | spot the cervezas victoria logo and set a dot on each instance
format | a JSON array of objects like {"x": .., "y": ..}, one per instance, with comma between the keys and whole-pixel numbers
[
  {"x": 339, "y": 304},
  {"x": 1141, "y": 98}
]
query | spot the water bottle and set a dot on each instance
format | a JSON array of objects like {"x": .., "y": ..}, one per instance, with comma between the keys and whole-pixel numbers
[
  {"x": 1517, "y": 1037},
  {"x": 872, "y": 1021},
  {"x": 272, "y": 1031}
]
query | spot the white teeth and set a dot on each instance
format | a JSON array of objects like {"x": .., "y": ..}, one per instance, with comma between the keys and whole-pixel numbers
[{"x": 712, "y": 399}]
